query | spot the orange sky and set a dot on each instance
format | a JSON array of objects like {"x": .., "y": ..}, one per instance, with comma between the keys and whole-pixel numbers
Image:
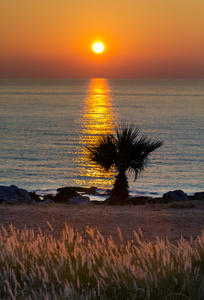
[{"x": 143, "y": 39}]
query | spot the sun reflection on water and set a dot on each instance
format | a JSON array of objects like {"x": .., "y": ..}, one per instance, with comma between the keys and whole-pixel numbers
[{"x": 98, "y": 118}]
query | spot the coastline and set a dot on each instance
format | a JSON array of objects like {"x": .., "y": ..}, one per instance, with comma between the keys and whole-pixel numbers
[
  {"x": 88, "y": 195},
  {"x": 156, "y": 217}
]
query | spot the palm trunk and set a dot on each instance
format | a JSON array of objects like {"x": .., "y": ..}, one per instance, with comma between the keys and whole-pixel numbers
[{"x": 120, "y": 192}]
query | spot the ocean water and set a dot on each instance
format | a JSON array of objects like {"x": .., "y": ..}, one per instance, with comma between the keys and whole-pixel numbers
[{"x": 46, "y": 124}]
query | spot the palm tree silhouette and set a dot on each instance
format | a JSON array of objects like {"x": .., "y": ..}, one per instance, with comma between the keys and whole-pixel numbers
[{"x": 124, "y": 151}]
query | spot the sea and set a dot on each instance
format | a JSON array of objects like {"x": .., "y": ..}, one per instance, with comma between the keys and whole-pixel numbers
[{"x": 45, "y": 126}]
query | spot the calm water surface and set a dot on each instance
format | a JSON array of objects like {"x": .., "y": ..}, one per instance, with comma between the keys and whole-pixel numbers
[{"x": 45, "y": 125}]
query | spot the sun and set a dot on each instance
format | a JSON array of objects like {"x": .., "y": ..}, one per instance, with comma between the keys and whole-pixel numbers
[{"x": 98, "y": 47}]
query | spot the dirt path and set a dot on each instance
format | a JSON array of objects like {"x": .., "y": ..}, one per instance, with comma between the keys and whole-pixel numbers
[{"x": 154, "y": 220}]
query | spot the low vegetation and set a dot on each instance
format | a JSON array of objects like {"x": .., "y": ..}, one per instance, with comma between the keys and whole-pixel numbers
[{"x": 39, "y": 266}]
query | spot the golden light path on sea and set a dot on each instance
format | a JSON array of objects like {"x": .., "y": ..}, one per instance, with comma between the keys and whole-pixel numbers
[{"x": 98, "y": 118}]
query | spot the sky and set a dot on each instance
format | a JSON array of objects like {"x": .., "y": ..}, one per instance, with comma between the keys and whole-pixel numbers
[{"x": 142, "y": 38}]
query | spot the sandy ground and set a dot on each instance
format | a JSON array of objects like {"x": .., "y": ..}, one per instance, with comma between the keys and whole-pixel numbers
[{"x": 154, "y": 220}]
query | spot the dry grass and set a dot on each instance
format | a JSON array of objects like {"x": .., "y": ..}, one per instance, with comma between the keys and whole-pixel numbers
[{"x": 41, "y": 266}]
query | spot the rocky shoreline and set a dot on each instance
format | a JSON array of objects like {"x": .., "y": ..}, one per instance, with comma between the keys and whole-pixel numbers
[{"x": 79, "y": 196}]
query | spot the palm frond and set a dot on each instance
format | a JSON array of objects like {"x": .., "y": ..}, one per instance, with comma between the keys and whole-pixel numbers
[
  {"x": 124, "y": 150},
  {"x": 103, "y": 151},
  {"x": 126, "y": 135},
  {"x": 140, "y": 152}
]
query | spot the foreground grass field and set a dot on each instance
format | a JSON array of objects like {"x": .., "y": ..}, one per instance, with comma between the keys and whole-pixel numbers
[{"x": 39, "y": 266}]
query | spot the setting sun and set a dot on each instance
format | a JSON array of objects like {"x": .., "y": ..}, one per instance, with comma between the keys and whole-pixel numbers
[{"x": 98, "y": 47}]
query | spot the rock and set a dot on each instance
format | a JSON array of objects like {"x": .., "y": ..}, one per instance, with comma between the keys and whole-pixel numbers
[
  {"x": 97, "y": 202},
  {"x": 12, "y": 194},
  {"x": 176, "y": 195},
  {"x": 79, "y": 200},
  {"x": 67, "y": 190},
  {"x": 107, "y": 193},
  {"x": 64, "y": 195},
  {"x": 34, "y": 196},
  {"x": 114, "y": 202},
  {"x": 91, "y": 190},
  {"x": 42, "y": 202},
  {"x": 49, "y": 196},
  {"x": 199, "y": 196},
  {"x": 139, "y": 200}
]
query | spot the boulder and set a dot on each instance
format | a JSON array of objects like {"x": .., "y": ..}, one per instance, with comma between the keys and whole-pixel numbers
[
  {"x": 98, "y": 202},
  {"x": 79, "y": 200},
  {"x": 42, "y": 202},
  {"x": 90, "y": 190},
  {"x": 34, "y": 196},
  {"x": 199, "y": 196},
  {"x": 68, "y": 190},
  {"x": 48, "y": 196},
  {"x": 71, "y": 189},
  {"x": 176, "y": 195},
  {"x": 12, "y": 194},
  {"x": 65, "y": 194}
]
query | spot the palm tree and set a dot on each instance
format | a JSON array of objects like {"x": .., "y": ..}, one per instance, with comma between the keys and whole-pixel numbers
[{"x": 124, "y": 151}]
